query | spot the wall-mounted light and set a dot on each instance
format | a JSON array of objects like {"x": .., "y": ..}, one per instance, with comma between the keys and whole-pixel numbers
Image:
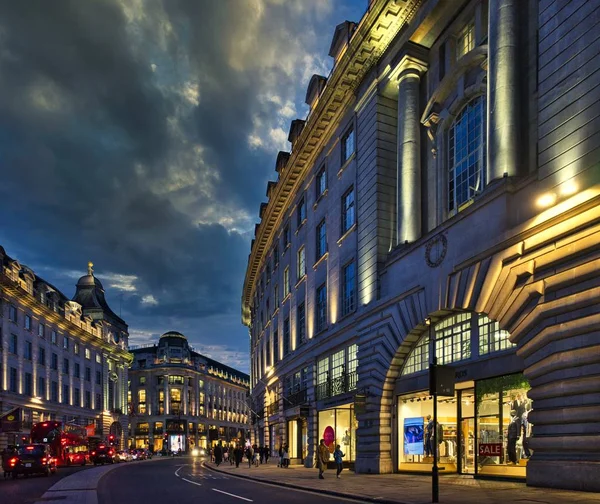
[
  {"x": 546, "y": 200},
  {"x": 568, "y": 188}
]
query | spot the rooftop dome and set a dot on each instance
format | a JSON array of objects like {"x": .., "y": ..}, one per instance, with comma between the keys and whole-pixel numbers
[
  {"x": 173, "y": 338},
  {"x": 175, "y": 334}
]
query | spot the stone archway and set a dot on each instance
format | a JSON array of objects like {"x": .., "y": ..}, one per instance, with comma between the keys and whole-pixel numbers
[{"x": 544, "y": 288}]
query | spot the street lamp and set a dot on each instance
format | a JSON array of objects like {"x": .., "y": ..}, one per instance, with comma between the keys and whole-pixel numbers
[{"x": 435, "y": 475}]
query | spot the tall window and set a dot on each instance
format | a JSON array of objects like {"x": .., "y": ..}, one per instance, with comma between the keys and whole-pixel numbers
[
  {"x": 275, "y": 256},
  {"x": 349, "y": 289},
  {"x": 54, "y": 361},
  {"x": 53, "y": 337},
  {"x": 300, "y": 324},
  {"x": 28, "y": 384},
  {"x": 41, "y": 389},
  {"x": 13, "y": 343},
  {"x": 286, "y": 337},
  {"x": 321, "y": 182},
  {"x": 301, "y": 262},
  {"x": 28, "y": 350},
  {"x": 321, "y": 239},
  {"x": 301, "y": 215},
  {"x": 466, "y": 155},
  {"x": 321, "y": 307},
  {"x": 466, "y": 40},
  {"x": 286, "y": 281},
  {"x": 491, "y": 337},
  {"x": 275, "y": 347},
  {"x": 41, "y": 330},
  {"x": 287, "y": 238},
  {"x": 13, "y": 380},
  {"x": 347, "y": 145},
  {"x": 42, "y": 356},
  {"x": 276, "y": 296},
  {"x": 12, "y": 313},
  {"x": 28, "y": 322},
  {"x": 348, "y": 213}
]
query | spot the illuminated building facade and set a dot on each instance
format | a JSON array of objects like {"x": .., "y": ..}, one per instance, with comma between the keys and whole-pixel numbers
[
  {"x": 180, "y": 399},
  {"x": 445, "y": 184},
  {"x": 60, "y": 359}
]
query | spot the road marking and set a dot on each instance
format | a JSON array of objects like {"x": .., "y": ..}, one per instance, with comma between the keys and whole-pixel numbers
[
  {"x": 192, "y": 482},
  {"x": 232, "y": 495},
  {"x": 177, "y": 472}
]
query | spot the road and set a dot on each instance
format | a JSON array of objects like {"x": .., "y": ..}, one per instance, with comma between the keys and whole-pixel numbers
[
  {"x": 27, "y": 490},
  {"x": 185, "y": 481}
]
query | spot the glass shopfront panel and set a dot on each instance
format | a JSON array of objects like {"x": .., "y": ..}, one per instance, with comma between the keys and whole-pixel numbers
[
  {"x": 337, "y": 426},
  {"x": 504, "y": 430},
  {"x": 417, "y": 434}
]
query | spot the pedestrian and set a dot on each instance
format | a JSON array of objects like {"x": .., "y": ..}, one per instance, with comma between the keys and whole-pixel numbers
[
  {"x": 322, "y": 458},
  {"x": 249, "y": 455},
  {"x": 239, "y": 455},
  {"x": 280, "y": 453},
  {"x": 338, "y": 455},
  {"x": 266, "y": 455},
  {"x": 286, "y": 456},
  {"x": 255, "y": 455},
  {"x": 262, "y": 454},
  {"x": 218, "y": 454}
]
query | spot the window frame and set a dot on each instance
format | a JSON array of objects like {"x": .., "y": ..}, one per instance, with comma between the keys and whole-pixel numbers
[
  {"x": 348, "y": 302},
  {"x": 346, "y": 155},
  {"x": 301, "y": 263},
  {"x": 321, "y": 182},
  {"x": 348, "y": 209},
  {"x": 321, "y": 308},
  {"x": 301, "y": 212},
  {"x": 321, "y": 239}
]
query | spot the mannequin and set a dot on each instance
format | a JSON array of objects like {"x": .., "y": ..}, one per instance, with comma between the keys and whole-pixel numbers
[
  {"x": 514, "y": 431},
  {"x": 525, "y": 424},
  {"x": 429, "y": 433}
]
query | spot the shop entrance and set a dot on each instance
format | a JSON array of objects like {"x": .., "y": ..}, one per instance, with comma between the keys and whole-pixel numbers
[{"x": 467, "y": 431}]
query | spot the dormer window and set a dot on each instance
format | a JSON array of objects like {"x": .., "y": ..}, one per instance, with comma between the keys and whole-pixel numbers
[{"x": 466, "y": 40}]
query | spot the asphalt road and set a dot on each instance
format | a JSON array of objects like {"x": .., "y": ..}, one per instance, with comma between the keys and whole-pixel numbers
[
  {"x": 27, "y": 490},
  {"x": 183, "y": 480}
]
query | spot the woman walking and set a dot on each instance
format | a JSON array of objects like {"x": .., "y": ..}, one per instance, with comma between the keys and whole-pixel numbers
[{"x": 338, "y": 455}]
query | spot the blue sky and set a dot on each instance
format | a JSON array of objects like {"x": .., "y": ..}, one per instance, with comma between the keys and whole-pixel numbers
[{"x": 140, "y": 135}]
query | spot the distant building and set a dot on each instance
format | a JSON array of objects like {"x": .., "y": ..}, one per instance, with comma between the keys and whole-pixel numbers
[
  {"x": 60, "y": 359},
  {"x": 442, "y": 194},
  {"x": 179, "y": 398}
]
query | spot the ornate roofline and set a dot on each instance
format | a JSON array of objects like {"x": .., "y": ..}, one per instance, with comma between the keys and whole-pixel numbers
[{"x": 375, "y": 32}]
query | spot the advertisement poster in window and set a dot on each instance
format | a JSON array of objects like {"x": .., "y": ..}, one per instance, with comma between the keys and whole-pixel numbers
[{"x": 413, "y": 436}]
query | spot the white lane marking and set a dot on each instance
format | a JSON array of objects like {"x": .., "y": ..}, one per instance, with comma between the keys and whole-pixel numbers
[
  {"x": 192, "y": 482},
  {"x": 177, "y": 472},
  {"x": 232, "y": 495}
]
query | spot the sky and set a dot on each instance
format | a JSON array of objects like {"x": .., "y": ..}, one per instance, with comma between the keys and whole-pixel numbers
[{"x": 140, "y": 135}]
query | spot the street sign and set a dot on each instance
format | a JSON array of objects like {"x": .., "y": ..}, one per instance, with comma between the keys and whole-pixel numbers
[{"x": 441, "y": 380}]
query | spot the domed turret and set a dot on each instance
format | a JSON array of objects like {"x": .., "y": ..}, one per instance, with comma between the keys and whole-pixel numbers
[{"x": 173, "y": 347}]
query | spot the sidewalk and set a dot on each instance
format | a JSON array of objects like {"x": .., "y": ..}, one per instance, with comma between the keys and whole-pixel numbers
[{"x": 406, "y": 488}]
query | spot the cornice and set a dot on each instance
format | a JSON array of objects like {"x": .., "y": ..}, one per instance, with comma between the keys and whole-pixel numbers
[
  {"x": 376, "y": 31},
  {"x": 38, "y": 308}
]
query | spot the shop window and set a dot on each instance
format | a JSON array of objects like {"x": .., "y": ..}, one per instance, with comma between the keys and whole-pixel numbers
[
  {"x": 503, "y": 409},
  {"x": 337, "y": 426},
  {"x": 491, "y": 337},
  {"x": 453, "y": 339}
]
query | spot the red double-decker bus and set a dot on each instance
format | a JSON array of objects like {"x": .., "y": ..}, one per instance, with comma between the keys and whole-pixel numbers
[{"x": 68, "y": 442}]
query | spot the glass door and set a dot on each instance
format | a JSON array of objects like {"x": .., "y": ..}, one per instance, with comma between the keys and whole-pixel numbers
[{"x": 467, "y": 431}]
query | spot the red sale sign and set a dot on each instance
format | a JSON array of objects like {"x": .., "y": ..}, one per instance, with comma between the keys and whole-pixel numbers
[{"x": 490, "y": 449}]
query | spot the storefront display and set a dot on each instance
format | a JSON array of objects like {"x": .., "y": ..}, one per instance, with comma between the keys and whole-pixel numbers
[
  {"x": 338, "y": 426},
  {"x": 504, "y": 430}
]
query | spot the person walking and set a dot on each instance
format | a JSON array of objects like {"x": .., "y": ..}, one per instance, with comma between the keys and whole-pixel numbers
[
  {"x": 286, "y": 456},
  {"x": 322, "y": 458},
  {"x": 239, "y": 456},
  {"x": 218, "y": 454},
  {"x": 249, "y": 455},
  {"x": 280, "y": 464},
  {"x": 266, "y": 454},
  {"x": 338, "y": 455}
]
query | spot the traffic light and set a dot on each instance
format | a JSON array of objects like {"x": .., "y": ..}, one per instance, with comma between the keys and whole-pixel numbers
[{"x": 111, "y": 440}]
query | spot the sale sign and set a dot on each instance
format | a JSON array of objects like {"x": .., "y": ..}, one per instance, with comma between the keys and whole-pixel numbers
[{"x": 490, "y": 449}]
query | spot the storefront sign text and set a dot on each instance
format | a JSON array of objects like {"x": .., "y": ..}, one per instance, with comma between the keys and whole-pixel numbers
[{"x": 490, "y": 449}]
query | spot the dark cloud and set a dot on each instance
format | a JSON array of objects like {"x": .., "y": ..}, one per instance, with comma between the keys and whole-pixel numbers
[{"x": 125, "y": 133}]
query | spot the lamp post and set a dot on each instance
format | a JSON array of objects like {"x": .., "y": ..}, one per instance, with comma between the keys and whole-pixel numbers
[{"x": 435, "y": 476}]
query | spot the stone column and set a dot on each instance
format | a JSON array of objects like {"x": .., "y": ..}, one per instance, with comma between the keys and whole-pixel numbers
[
  {"x": 503, "y": 93},
  {"x": 408, "y": 194}
]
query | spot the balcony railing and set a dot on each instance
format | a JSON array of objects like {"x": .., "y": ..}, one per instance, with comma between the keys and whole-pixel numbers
[
  {"x": 336, "y": 386},
  {"x": 295, "y": 399}
]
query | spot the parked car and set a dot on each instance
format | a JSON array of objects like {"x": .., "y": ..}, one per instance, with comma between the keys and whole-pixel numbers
[
  {"x": 32, "y": 459},
  {"x": 103, "y": 455}
]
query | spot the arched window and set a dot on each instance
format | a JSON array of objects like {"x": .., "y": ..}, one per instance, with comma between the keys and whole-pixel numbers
[
  {"x": 453, "y": 341},
  {"x": 466, "y": 155}
]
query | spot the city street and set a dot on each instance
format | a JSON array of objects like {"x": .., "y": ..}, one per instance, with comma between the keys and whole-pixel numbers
[
  {"x": 185, "y": 481},
  {"x": 27, "y": 490}
]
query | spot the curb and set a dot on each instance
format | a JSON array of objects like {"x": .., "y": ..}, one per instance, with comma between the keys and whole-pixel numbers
[{"x": 333, "y": 493}]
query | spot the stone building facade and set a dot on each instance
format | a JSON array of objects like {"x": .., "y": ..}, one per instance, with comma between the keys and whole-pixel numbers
[
  {"x": 60, "y": 359},
  {"x": 444, "y": 193},
  {"x": 180, "y": 399}
]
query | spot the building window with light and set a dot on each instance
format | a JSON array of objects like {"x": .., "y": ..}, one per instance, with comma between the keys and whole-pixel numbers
[
  {"x": 286, "y": 282},
  {"x": 321, "y": 239},
  {"x": 142, "y": 401},
  {"x": 301, "y": 212},
  {"x": 466, "y": 40},
  {"x": 321, "y": 307},
  {"x": 301, "y": 324},
  {"x": 321, "y": 182},
  {"x": 286, "y": 337},
  {"x": 175, "y": 401},
  {"x": 301, "y": 263},
  {"x": 466, "y": 155},
  {"x": 348, "y": 145},
  {"x": 348, "y": 288},
  {"x": 348, "y": 210}
]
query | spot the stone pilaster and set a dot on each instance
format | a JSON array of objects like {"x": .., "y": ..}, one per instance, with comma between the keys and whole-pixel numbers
[
  {"x": 408, "y": 192},
  {"x": 503, "y": 93}
]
